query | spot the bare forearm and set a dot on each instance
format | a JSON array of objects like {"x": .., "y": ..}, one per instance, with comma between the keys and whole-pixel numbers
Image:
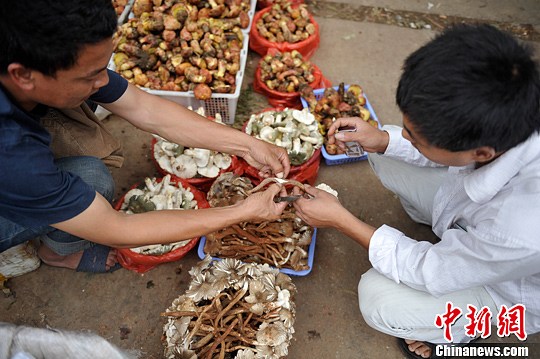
[
  {"x": 177, "y": 123},
  {"x": 102, "y": 224},
  {"x": 171, "y": 226}
]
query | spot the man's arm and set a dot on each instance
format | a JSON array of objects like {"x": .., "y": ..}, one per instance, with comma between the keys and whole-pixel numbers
[
  {"x": 180, "y": 125},
  {"x": 100, "y": 223}
]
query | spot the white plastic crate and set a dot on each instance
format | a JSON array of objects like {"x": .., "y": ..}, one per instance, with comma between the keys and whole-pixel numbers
[
  {"x": 124, "y": 15},
  {"x": 251, "y": 13},
  {"x": 224, "y": 104}
]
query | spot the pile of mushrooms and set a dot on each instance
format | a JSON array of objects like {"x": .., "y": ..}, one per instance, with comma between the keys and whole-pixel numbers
[
  {"x": 231, "y": 310},
  {"x": 283, "y": 243},
  {"x": 190, "y": 162},
  {"x": 286, "y": 72},
  {"x": 180, "y": 45},
  {"x": 295, "y": 130},
  {"x": 343, "y": 102},
  {"x": 286, "y": 23},
  {"x": 154, "y": 196}
]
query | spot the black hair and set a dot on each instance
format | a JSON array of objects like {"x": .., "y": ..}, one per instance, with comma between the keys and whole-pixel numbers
[
  {"x": 471, "y": 86},
  {"x": 47, "y": 35}
]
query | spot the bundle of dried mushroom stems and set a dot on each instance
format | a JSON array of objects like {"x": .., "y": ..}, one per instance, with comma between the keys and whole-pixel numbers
[
  {"x": 283, "y": 243},
  {"x": 231, "y": 310}
]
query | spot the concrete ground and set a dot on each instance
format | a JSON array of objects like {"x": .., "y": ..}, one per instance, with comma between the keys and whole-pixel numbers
[{"x": 362, "y": 41}]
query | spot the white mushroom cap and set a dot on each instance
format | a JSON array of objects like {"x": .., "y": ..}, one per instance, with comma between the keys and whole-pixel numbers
[
  {"x": 209, "y": 171},
  {"x": 165, "y": 163},
  {"x": 222, "y": 160},
  {"x": 184, "y": 166},
  {"x": 200, "y": 155},
  {"x": 268, "y": 134},
  {"x": 271, "y": 334},
  {"x": 251, "y": 122},
  {"x": 303, "y": 116},
  {"x": 129, "y": 194},
  {"x": 268, "y": 118}
]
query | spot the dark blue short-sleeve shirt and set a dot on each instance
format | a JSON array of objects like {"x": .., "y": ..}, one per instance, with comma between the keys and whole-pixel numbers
[{"x": 33, "y": 191}]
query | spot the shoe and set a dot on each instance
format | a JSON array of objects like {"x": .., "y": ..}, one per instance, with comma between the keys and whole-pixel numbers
[{"x": 94, "y": 260}]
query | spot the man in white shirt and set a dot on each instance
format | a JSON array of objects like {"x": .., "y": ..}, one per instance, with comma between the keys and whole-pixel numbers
[{"x": 466, "y": 162}]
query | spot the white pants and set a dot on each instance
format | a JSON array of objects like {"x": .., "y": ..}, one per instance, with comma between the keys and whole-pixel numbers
[{"x": 397, "y": 309}]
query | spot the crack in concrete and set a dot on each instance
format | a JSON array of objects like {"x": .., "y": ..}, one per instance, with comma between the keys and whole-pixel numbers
[{"x": 411, "y": 19}]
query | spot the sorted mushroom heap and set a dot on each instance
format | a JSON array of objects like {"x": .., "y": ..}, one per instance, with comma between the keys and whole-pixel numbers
[
  {"x": 286, "y": 72},
  {"x": 178, "y": 46},
  {"x": 282, "y": 243},
  {"x": 231, "y": 310},
  {"x": 336, "y": 104},
  {"x": 295, "y": 130},
  {"x": 286, "y": 23},
  {"x": 154, "y": 196},
  {"x": 190, "y": 162}
]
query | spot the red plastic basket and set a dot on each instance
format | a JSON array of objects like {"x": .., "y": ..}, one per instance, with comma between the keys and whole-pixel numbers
[
  {"x": 260, "y": 44},
  {"x": 201, "y": 183},
  {"x": 142, "y": 263},
  {"x": 286, "y": 99},
  {"x": 261, "y": 4},
  {"x": 305, "y": 173}
]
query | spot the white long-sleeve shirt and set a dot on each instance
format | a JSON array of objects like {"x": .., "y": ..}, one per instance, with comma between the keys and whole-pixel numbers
[{"x": 499, "y": 206}]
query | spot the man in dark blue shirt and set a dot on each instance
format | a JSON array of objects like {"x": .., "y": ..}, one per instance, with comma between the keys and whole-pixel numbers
[{"x": 55, "y": 55}]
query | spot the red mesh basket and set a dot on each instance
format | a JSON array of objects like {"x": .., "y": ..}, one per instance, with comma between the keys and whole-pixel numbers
[
  {"x": 286, "y": 99},
  {"x": 305, "y": 173},
  {"x": 201, "y": 183},
  {"x": 261, "y": 4},
  {"x": 142, "y": 263},
  {"x": 260, "y": 44}
]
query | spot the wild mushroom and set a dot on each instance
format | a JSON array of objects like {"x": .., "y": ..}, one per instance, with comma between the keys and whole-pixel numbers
[
  {"x": 267, "y": 134},
  {"x": 209, "y": 171},
  {"x": 245, "y": 354},
  {"x": 225, "y": 323},
  {"x": 184, "y": 166},
  {"x": 272, "y": 334},
  {"x": 222, "y": 160},
  {"x": 202, "y": 288},
  {"x": 259, "y": 293},
  {"x": 201, "y": 156},
  {"x": 303, "y": 116}
]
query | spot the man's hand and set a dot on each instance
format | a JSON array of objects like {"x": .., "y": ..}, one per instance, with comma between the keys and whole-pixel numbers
[
  {"x": 270, "y": 160},
  {"x": 370, "y": 138},
  {"x": 262, "y": 206},
  {"x": 322, "y": 210}
]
